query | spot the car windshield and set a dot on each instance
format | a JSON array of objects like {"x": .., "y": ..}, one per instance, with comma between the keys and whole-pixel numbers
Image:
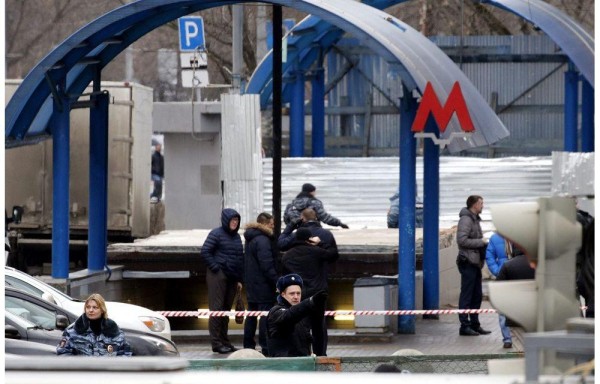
[
  {"x": 22, "y": 282},
  {"x": 12, "y": 281},
  {"x": 30, "y": 311}
]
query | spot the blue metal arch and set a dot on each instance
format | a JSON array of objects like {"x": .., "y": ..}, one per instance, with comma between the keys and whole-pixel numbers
[
  {"x": 577, "y": 44},
  {"x": 305, "y": 40},
  {"x": 91, "y": 48}
]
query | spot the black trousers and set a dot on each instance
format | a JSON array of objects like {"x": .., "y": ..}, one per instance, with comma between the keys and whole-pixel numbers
[
  {"x": 221, "y": 292},
  {"x": 318, "y": 329},
  {"x": 250, "y": 324},
  {"x": 470, "y": 293}
]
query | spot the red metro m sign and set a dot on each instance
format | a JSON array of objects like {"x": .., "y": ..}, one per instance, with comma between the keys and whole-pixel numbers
[{"x": 430, "y": 104}]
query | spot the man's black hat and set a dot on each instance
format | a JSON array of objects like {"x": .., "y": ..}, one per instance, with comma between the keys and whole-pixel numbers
[
  {"x": 308, "y": 187},
  {"x": 287, "y": 280}
]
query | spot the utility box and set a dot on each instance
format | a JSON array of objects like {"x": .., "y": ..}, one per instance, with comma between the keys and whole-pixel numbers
[{"x": 376, "y": 294}]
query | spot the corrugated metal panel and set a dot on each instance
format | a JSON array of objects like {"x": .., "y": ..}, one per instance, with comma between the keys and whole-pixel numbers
[
  {"x": 357, "y": 190},
  {"x": 573, "y": 174},
  {"x": 241, "y": 160},
  {"x": 536, "y": 115}
]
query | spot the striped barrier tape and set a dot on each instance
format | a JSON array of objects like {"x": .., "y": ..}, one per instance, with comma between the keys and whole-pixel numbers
[{"x": 331, "y": 313}]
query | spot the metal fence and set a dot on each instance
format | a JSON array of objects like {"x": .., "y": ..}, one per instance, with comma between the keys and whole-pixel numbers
[{"x": 442, "y": 364}]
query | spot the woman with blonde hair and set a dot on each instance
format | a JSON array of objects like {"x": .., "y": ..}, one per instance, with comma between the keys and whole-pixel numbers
[{"x": 93, "y": 333}]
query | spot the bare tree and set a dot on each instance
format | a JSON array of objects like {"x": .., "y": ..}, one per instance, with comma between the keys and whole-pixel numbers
[{"x": 34, "y": 27}]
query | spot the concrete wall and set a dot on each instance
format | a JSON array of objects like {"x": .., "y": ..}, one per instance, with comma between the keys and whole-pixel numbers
[
  {"x": 449, "y": 276},
  {"x": 192, "y": 182},
  {"x": 192, "y": 153}
]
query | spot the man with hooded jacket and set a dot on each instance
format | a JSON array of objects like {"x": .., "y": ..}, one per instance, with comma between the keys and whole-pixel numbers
[
  {"x": 260, "y": 277},
  {"x": 223, "y": 254}
]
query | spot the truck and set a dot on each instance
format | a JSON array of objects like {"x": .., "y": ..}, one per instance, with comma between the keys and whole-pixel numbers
[{"x": 28, "y": 171}]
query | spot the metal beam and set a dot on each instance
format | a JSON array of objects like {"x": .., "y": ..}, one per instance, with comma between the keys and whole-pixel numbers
[
  {"x": 60, "y": 186},
  {"x": 98, "y": 186},
  {"x": 406, "y": 224}
]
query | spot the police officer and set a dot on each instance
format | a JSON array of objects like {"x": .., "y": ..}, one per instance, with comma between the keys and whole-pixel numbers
[
  {"x": 93, "y": 333},
  {"x": 288, "y": 333}
]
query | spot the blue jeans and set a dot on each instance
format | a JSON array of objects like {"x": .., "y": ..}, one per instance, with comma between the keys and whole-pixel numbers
[
  {"x": 158, "y": 182},
  {"x": 506, "y": 337}
]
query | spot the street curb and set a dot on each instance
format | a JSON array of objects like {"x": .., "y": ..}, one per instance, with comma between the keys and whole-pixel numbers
[{"x": 237, "y": 337}]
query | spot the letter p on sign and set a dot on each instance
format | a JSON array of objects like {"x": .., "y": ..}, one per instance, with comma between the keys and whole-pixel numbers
[{"x": 191, "y": 34}]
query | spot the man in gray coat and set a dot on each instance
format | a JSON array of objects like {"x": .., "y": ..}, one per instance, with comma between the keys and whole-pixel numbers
[{"x": 471, "y": 256}]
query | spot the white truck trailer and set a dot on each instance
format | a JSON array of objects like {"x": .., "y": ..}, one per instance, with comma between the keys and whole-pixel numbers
[{"x": 29, "y": 168}]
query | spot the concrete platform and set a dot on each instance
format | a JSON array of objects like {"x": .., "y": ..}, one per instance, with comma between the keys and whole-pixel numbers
[{"x": 370, "y": 251}]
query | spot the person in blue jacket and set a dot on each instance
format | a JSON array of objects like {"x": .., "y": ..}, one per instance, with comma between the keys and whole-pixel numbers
[
  {"x": 93, "y": 333},
  {"x": 498, "y": 251},
  {"x": 223, "y": 254}
]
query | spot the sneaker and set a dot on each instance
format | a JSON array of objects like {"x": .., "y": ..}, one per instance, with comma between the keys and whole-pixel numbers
[
  {"x": 467, "y": 331},
  {"x": 507, "y": 345}
]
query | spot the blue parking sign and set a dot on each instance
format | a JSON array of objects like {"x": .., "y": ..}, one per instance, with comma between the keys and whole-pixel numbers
[{"x": 191, "y": 33}]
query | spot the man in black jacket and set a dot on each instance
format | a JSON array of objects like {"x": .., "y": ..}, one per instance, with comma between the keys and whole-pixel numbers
[
  {"x": 308, "y": 219},
  {"x": 223, "y": 254},
  {"x": 288, "y": 336},
  {"x": 309, "y": 258},
  {"x": 260, "y": 277},
  {"x": 158, "y": 172},
  {"x": 517, "y": 268}
]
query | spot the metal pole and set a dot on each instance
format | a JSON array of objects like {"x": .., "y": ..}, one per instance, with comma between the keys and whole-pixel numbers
[
  {"x": 98, "y": 192},
  {"x": 238, "y": 27},
  {"x": 318, "y": 113},
  {"x": 406, "y": 223},
  {"x": 277, "y": 36},
  {"x": 431, "y": 221},
  {"x": 261, "y": 31},
  {"x": 587, "y": 116},
  {"x": 60, "y": 187},
  {"x": 297, "y": 116},
  {"x": 571, "y": 103}
]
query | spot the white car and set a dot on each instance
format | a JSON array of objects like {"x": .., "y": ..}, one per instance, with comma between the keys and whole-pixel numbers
[{"x": 126, "y": 315}]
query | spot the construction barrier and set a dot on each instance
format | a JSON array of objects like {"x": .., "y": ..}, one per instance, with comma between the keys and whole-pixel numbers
[{"x": 411, "y": 312}]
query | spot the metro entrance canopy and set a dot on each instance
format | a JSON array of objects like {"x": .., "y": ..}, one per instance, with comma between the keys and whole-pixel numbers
[
  {"x": 79, "y": 59},
  {"x": 312, "y": 36}
]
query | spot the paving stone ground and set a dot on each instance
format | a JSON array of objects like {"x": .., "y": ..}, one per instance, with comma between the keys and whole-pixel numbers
[{"x": 432, "y": 337}]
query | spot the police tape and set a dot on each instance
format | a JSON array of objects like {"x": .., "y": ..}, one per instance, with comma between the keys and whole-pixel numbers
[{"x": 403, "y": 312}]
